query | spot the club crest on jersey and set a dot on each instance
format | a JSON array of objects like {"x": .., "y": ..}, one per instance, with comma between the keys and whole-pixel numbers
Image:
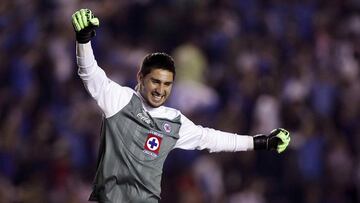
[
  {"x": 152, "y": 145},
  {"x": 167, "y": 127}
]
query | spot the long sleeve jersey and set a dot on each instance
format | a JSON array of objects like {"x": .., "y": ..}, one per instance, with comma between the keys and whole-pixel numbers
[{"x": 137, "y": 138}]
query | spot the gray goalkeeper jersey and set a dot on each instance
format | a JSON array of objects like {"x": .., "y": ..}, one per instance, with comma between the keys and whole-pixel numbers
[{"x": 133, "y": 149}]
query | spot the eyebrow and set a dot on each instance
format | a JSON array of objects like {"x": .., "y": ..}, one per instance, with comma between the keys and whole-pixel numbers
[{"x": 165, "y": 82}]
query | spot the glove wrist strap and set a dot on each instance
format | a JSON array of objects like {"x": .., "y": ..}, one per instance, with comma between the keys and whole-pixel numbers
[
  {"x": 84, "y": 37},
  {"x": 260, "y": 142}
]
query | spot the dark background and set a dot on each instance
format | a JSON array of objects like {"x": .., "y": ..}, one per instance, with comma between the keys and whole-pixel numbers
[{"x": 244, "y": 66}]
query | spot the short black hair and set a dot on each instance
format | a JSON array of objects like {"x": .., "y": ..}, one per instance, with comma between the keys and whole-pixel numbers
[{"x": 157, "y": 60}]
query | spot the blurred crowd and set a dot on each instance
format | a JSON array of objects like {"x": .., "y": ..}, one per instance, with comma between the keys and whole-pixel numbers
[{"x": 243, "y": 66}]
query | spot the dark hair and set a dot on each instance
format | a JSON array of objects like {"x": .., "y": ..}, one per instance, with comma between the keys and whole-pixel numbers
[{"x": 157, "y": 61}]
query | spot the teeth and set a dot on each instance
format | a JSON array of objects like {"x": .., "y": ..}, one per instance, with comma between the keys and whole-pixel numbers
[{"x": 157, "y": 98}]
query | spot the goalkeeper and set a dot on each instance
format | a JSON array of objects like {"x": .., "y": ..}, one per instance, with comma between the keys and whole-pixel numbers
[{"x": 138, "y": 132}]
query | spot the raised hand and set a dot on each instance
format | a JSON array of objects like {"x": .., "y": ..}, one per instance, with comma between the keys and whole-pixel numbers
[{"x": 84, "y": 23}]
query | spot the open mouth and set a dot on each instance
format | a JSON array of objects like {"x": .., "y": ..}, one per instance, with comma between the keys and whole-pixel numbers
[{"x": 156, "y": 97}]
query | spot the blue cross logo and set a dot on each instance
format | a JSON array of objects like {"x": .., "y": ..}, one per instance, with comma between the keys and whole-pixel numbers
[{"x": 153, "y": 143}]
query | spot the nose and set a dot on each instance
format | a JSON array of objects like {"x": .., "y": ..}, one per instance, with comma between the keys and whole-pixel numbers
[{"x": 160, "y": 89}]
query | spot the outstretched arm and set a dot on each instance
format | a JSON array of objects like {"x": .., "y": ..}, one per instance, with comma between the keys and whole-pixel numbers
[{"x": 197, "y": 137}]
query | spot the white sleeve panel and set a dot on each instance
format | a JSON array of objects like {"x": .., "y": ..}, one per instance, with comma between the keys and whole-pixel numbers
[
  {"x": 110, "y": 96},
  {"x": 197, "y": 137}
]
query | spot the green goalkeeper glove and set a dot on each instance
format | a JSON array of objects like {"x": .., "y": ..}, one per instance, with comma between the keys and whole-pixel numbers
[
  {"x": 278, "y": 140},
  {"x": 84, "y": 24}
]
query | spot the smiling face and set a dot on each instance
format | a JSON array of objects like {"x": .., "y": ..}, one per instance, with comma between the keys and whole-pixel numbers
[{"x": 155, "y": 87}]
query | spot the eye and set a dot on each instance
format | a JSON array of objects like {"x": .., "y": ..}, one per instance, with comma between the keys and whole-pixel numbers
[
  {"x": 168, "y": 83},
  {"x": 155, "y": 81}
]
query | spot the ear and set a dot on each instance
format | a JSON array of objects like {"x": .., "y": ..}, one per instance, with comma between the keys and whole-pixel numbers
[
  {"x": 140, "y": 80},
  {"x": 139, "y": 77}
]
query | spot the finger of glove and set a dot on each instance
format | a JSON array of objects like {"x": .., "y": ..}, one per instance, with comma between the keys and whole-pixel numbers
[
  {"x": 282, "y": 147},
  {"x": 79, "y": 20},
  {"x": 284, "y": 131},
  {"x": 284, "y": 144},
  {"x": 95, "y": 22},
  {"x": 84, "y": 17},
  {"x": 75, "y": 22},
  {"x": 278, "y": 130},
  {"x": 284, "y": 136}
]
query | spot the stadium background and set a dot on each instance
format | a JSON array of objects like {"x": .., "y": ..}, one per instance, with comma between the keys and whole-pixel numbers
[{"x": 244, "y": 66}]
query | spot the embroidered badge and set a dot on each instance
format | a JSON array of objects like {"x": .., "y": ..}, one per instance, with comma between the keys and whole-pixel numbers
[
  {"x": 152, "y": 144},
  {"x": 167, "y": 127}
]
